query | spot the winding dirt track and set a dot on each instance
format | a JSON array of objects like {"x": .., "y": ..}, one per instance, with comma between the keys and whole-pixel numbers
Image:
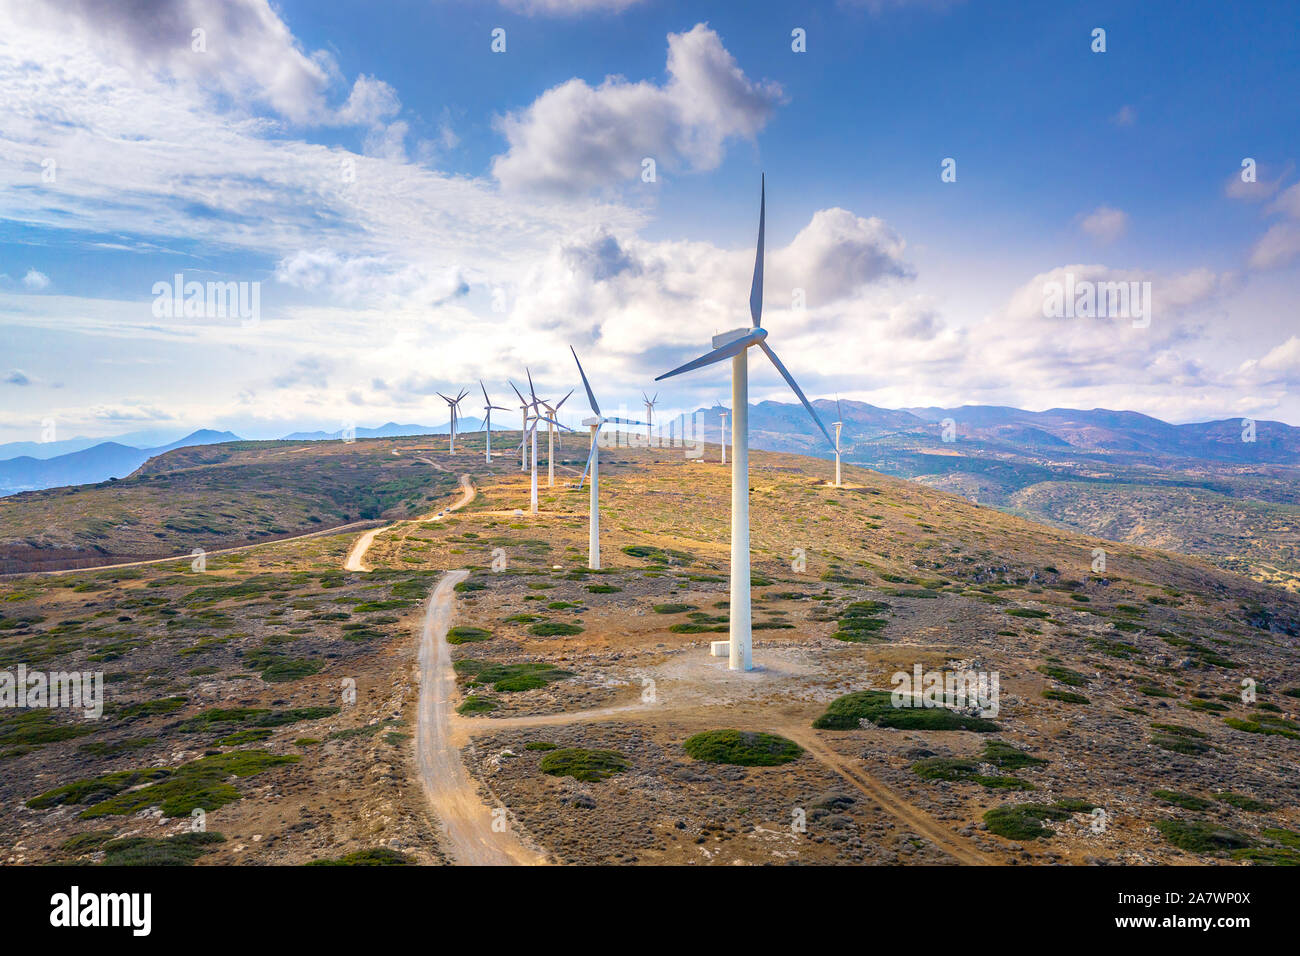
[
  {"x": 452, "y": 795},
  {"x": 357, "y": 554}
]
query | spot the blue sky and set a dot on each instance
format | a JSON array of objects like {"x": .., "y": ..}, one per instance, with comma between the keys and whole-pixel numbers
[{"x": 515, "y": 175}]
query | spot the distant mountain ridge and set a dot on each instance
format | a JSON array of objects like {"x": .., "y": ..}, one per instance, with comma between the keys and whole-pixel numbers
[{"x": 100, "y": 462}]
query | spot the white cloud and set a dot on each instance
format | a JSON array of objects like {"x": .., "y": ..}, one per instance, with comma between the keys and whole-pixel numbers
[
  {"x": 36, "y": 281},
  {"x": 575, "y": 137},
  {"x": 1105, "y": 223},
  {"x": 1277, "y": 247},
  {"x": 369, "y": 279},
  {"x": 250, "y": 53}
]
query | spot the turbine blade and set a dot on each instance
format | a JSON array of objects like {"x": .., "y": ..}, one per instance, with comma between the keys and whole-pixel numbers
[
  {"x": 585, "y": 384},
  {"x": 521, "y": 397},
  {"x": 785, "y": 373},
  {"x": 756, "y": 290},
  {"x": 590, "y": 455},
  {"x": 561, "y": 401},
  {"x": 486, "y": 400},
  {"x": 543, "y": 418},
  {"x": 717, "y": 355},
  {"x": 531, "y": 391},
  {"x": 623, "y": 421}
]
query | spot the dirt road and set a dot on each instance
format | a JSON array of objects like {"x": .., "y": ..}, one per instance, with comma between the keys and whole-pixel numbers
[
  {"x": 356, "y": 555},
  {"x": 453, "y": 797}
]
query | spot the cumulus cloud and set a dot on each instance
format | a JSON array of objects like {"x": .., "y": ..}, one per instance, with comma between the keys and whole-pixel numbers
[
  {"x": 248, "y": 51},
  {"x": 575, "y": 137},
  {"x": 36, "y": 281},
  {"x": 1126, "y": 116},
  {"x": 17, "y": 377},
  {"x": 1105, "y": 223},
  {"x": 1281, "y": 365},
  {"x": 837, "y": 253}
]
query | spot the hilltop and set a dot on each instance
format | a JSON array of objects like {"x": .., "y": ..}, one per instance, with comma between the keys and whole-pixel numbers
[
  {"x": 596, "y": 715},
  {"x": 1198, "y": 489}
]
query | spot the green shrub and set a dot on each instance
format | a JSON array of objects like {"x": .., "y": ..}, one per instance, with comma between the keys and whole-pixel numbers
[
  {"x": 1024, "y": 821},
  {"x": 181, "y": 849},
  {"x": 467, "y": 635},
  {"x": 674, "y": 608},
  {"x": 582, "y": 764},
  {"x": 1063, "y": 675},
  {"x": 844, "y": 713},
  {"x": 1185, "y": 800},
  {"x": 554, "y": 629},
  {"x": 1065, "y": 696},
  {"x": 1202, "y": 836},
  {"x": 742, "y": 748}
]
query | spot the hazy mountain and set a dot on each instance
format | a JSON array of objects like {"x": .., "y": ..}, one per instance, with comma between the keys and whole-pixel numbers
[
  {"x": 100, "y": 462},
  {"x": 394, "y": 430}
]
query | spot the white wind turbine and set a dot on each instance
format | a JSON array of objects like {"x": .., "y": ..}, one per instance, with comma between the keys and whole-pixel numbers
[
  {"x": 553, "y": 411},
  {"x": 530, "y": 434},
  {"x": 452, "y": 405},
  {"x": 488, "y": 408},
  {"x": 837, "y": 425},
  {"x": 649, "y": 414},
  {"x": 723, "y": 439},
  {"x": 523, "y": 430},
  {"x": 735, "y": 345},
  {"x": 593, "y": 465}
]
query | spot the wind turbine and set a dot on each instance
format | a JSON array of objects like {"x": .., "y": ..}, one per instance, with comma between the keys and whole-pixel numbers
[
  {"x": 649, "y": 413},
  {"x": 523, "y": 431},
  {"x": 735, "y": 345},
  {"x": 553, "y": 411},
  {"x": 837, "y": 425},
  {"x": 531, "y": 434},
  {"x": 723, "y": 438},
  {"x": 488, "y": 408},
  {"x": 593, "y": 465},
  {"x": 452, "y": 404}
]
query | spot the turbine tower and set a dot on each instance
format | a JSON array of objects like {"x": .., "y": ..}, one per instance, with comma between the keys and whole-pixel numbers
[
  {"x": 735, "y": 345},
  {"x": 837, "y": 425},
  {"x": 523, "y": 430},
  {"x": 649, "y": 414},
  {"x": 530, "y": 435},
  {"x": 553, "y": 411},
  {"x": 593, "y": 465},
  {"x": 723, "y": 439},
  {"x": 488, "y": 408},
  {"x": 452, "y": 404}
]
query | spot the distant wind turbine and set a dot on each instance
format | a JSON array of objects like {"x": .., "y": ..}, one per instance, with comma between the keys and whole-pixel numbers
[
  {"x": 452, "y": 405},
  {"x": 723, "y": 440},
  {"x": 530, "y": 435},
  {"x": 649, "y": 413},
  {"x": 837, "y": 424},
  {"x": 523, "y": 430},
  {"x": 553, "y": 411},
  {"x": 488, "y": 408},
  {"x": 593, "y": 465},
  {"x": 735, "y": 345}
]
